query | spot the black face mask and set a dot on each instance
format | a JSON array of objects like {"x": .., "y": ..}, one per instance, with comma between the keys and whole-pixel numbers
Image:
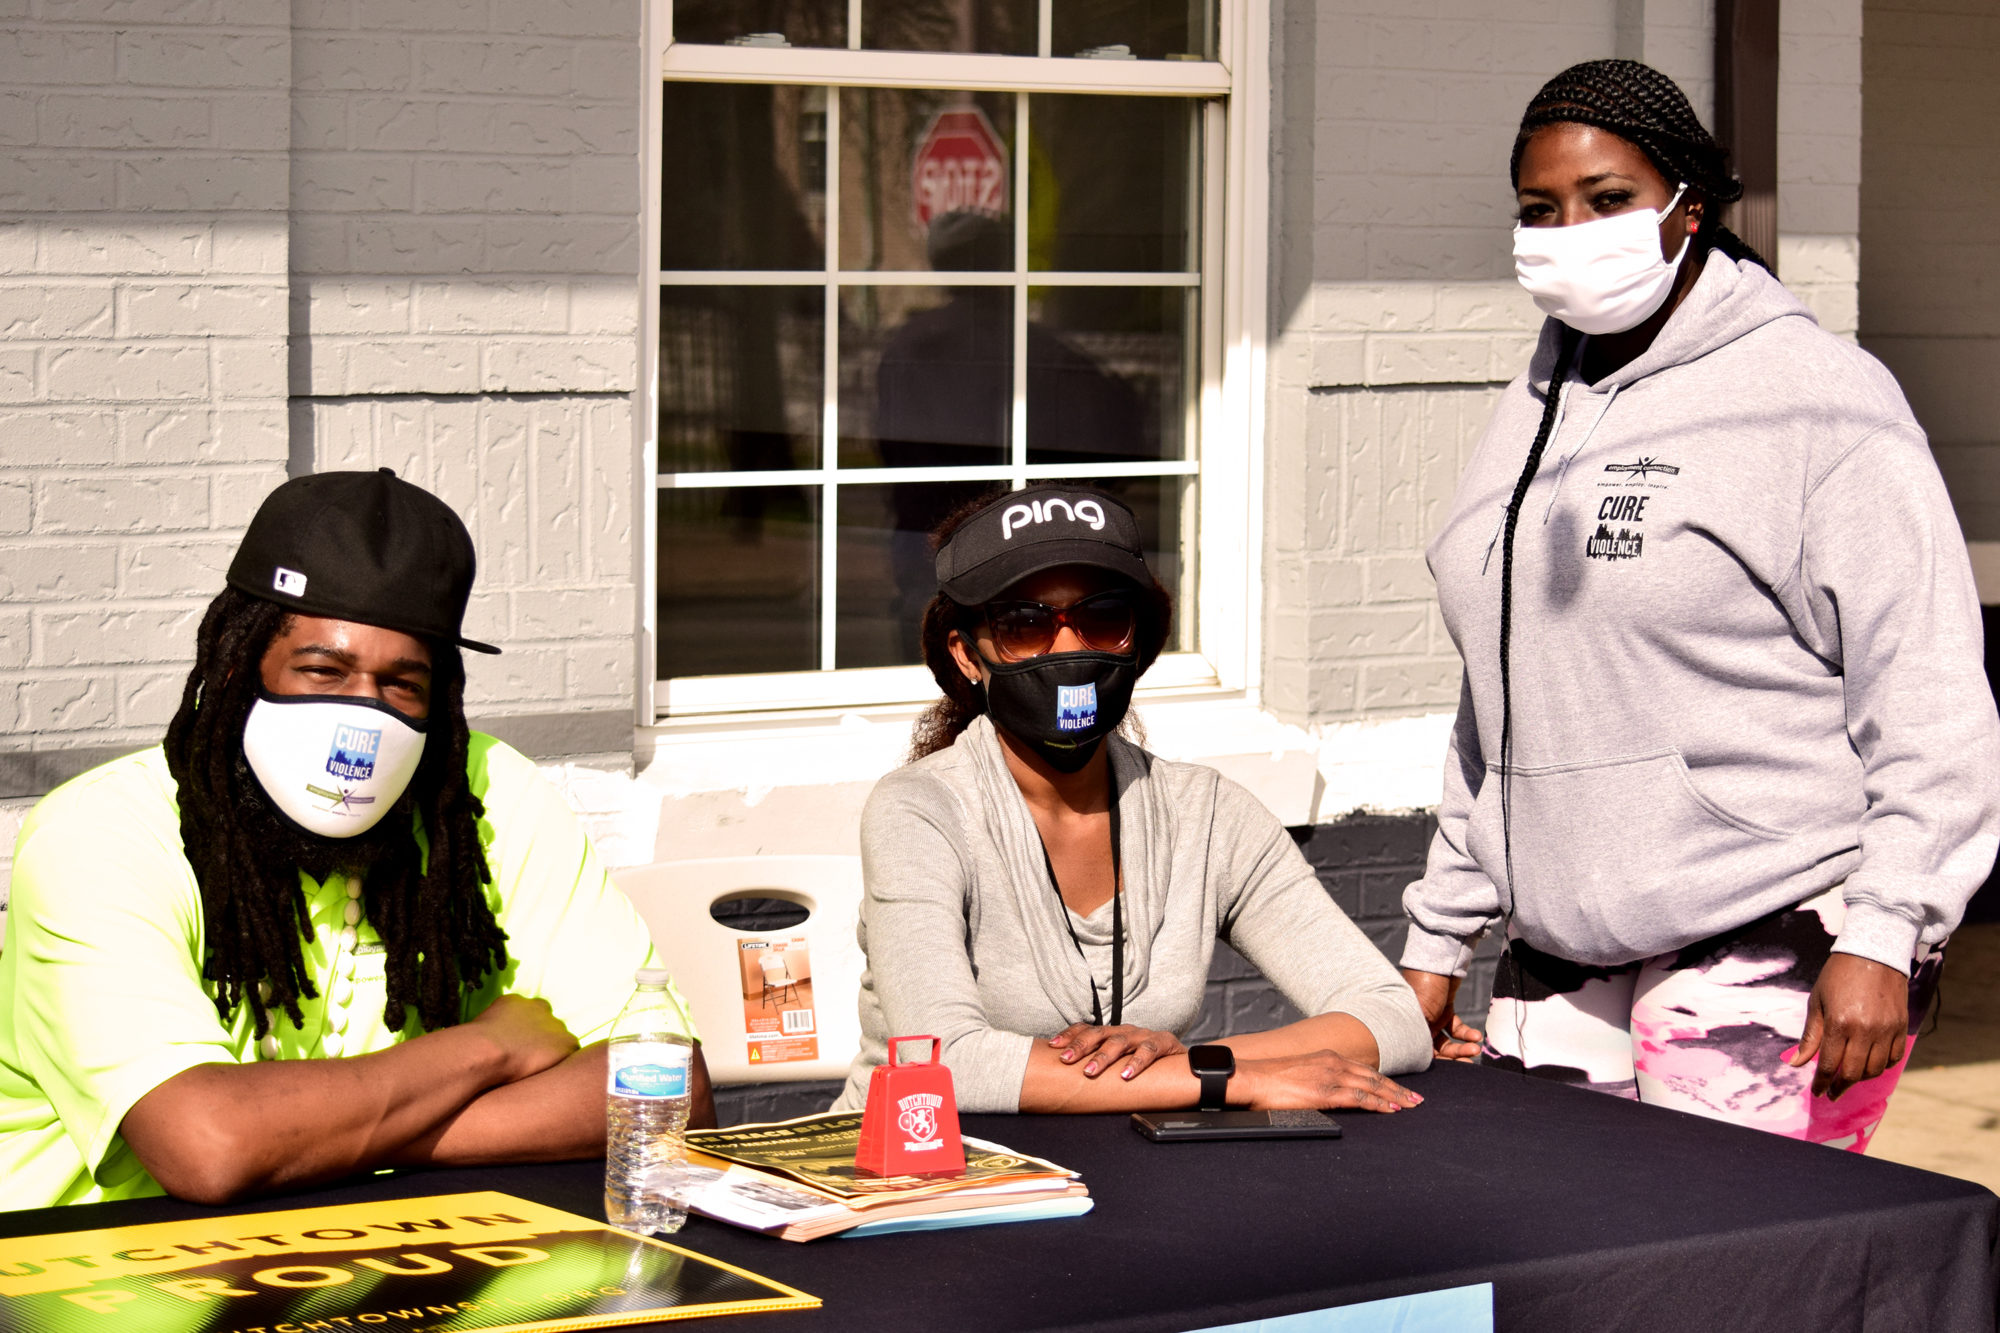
[{"x": 1062, "y": 704}]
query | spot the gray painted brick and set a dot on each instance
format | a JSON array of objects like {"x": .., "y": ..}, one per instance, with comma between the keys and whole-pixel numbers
[
  {"x": 352, "y": 183},
  {"x": 205, "y": 59},
  {"x": 552, "y": 365},
  {"x": 494, "y": 185},
  {"x": 32, "y": 182},
  {"x": 528, "y": 245},
  {"x": 55, "y": 572},
  {"x": 237, "y": 494},
  {"x": 498, "y": 68},
  {"x": 95, "y": 503},
  {"x": 148, "y": 698},
  {"x": 51, "y": 311},
  {"x": 111, "y": 637},
  {"x": 166, "y": 569},
  {"x": 94, "y": 120},
  {"x": 41, "y": 437},
  {"x": 567, "y": 18},
  {"x": 17, "y": 507},
  {"x": 66, "y": 702},
  {"x": 33, "y": 55},
  {"x": 194, "y": 309},
  {"x": 15, "y": 631},
  {"x": 209, "y": 183},
  {"x": 127, "y": 246},
  {"x": 601, "y": 670},
  {"x": 253, "y": 122},
  {"x": 430, "y": 16},
  {"x": 109, "y": 372},
  {"x": 229, "y": 13},
  {"x": 352, "y": 64}
]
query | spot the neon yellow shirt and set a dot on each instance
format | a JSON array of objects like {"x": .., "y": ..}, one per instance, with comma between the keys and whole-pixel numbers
[{"x": 102, "y": 998}]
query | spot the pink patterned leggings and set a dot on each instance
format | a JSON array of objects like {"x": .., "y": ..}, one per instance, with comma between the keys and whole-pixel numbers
[{"x": 1705, "y": 1029}]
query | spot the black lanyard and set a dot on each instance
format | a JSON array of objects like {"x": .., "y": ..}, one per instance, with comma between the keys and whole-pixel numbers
[{"x": 1117, "y": 922}]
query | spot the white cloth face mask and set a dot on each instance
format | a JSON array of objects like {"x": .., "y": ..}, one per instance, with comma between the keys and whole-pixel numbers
[
  {"x": 332, "y": 764},
  {"x": 1605, "y": 276}
]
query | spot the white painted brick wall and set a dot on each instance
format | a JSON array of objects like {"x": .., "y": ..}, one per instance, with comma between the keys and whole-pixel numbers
[
  {"x": 143, "y": 195},
  {"x": 545, "y": 485},
  {"x": 465, "y": 303}
]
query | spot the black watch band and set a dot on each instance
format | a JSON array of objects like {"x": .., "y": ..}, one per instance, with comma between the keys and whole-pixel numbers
[{"x": 1214, "y": 1066}]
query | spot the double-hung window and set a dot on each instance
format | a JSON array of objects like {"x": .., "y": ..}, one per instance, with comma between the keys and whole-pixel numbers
[{"x": 909, "y": 252}]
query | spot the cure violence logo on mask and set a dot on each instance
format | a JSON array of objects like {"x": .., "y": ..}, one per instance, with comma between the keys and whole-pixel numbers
[
  {"x": 1076, "y": 707},
  {"x": 1015, "y": 517},
  {"x": 918, "y": 1119},
  {"x": 353, "y": 753}
]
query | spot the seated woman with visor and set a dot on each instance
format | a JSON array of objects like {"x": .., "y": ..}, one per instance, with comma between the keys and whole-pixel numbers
[{"x": 1044, "y": 896}]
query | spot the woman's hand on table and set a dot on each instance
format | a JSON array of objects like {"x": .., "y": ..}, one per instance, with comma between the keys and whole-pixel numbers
[
  {"x": 1452, "y": 1038},
  {"x": 1321, "y": 1081},
  {"x": 1098, "y": 1048},
  {"x": 1857, "y": 1023}
]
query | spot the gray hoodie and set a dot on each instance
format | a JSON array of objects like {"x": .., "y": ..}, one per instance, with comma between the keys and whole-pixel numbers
[{"x": 1746, "y": 662}]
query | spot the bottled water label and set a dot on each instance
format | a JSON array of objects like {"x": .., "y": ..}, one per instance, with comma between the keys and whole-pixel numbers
[{"x": 648, "y": 1069}]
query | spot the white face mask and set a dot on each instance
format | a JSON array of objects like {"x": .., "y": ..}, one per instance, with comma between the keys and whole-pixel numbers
[
  {"x": 1605, "y": 276},
  {"x": 334, "y": 765}
]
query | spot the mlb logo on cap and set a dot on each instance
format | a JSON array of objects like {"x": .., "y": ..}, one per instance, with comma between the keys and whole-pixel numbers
[
  {"x": 1076, "y": 707},
  {"x": 289, "y": 582}
]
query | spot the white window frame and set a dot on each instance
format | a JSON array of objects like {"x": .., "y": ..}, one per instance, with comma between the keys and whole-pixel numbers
[{"x": 1225, "y": 552}]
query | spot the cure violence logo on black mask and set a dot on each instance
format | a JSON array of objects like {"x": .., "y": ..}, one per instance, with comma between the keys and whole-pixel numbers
[{"x": 1062, "y": 704}]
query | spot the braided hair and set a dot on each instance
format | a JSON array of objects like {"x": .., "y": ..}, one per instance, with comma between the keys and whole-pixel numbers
[
  {"x": 436, "y": 925},
  {"x": 1648, "y": 110}
]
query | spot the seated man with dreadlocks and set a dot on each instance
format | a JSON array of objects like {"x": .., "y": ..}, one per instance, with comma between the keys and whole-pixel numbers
[{"x": 324, "y": 928}]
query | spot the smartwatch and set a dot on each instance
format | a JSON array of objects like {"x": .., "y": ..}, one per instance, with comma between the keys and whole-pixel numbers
[{"x": 1213, "y": 1065}]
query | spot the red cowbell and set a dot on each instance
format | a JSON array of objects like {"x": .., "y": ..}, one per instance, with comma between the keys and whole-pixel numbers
[{"x": 910, "y": 1127}]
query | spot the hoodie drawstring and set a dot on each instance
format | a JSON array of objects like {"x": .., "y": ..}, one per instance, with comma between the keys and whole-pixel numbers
[{"x": 1562, "y": 464}]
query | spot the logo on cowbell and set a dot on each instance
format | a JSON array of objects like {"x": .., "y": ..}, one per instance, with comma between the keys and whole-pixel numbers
[
  {"x": 289, "y": 582},
  {"x": 918, "y": 1120},
  {"x": 1644, "y": 468},
  {"x": 1014, "y": 517},
  {"x": 353, "y": 753},
  {"x": 1076, "y": 707}
]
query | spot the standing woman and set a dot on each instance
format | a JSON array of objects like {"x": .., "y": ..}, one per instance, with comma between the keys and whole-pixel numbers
[
  {"x": 1045, "y": 896},
  {"x": 1726, "y": 762}
]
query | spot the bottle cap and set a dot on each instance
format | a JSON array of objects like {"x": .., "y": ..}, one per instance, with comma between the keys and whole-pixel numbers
[{"x": 653, "y": 976}]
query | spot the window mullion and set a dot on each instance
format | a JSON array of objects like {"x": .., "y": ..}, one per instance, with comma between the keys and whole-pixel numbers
[
  {"x": 1020, "y": 331},
  {"x": 829, "y": 443}
]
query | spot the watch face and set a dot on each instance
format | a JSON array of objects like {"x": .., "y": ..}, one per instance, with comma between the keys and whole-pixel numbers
[{"x": 1211, "y": 1060}]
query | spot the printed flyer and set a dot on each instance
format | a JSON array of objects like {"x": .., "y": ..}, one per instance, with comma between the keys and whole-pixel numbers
[{"x": 455, "y": 1263}]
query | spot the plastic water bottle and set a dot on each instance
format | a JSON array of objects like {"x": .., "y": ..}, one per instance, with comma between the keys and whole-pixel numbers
[{"x": 648, "y": 1100}]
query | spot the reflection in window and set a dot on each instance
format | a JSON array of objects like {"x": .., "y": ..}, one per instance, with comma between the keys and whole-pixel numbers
[
  {"x": 886, "y": 572},
  {"x": 1107, "y": 373},
  {"x": 1148, "y": 29},
  {"x": 1113, "y": 180},
  {"x": 756, "y": 22},
  {"x": 740, "y": 376},
  {"x": 910, "y": 157},
  {"x": 739, "y": 580},
  {"x": 926, "y": 376},
  {"x": 744, "y": 167}
]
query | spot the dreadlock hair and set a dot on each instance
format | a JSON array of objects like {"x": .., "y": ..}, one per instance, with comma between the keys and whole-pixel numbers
[
  {"x": 944, "y": 721},
  {"x": 1648, "y": 110},
  {"x": 431, "y": 911}
]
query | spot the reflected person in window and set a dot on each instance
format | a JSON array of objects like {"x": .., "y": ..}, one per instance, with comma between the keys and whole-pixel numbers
[{"x": 1045, "y": 896}]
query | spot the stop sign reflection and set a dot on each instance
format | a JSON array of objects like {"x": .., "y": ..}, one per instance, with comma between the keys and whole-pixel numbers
[{"x": 960, "y": 166}]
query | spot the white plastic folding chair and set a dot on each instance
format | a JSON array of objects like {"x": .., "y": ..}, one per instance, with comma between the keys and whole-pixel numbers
[{"x": 708, "y": 959}]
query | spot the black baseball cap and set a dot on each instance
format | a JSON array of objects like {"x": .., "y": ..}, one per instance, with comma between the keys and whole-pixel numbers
[
  {"x": 1027, "y": 531},
  {"x": 362, "y": 546}
]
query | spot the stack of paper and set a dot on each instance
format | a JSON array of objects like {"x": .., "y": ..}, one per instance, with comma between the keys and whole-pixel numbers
[{"x": 796, "y": 1180}]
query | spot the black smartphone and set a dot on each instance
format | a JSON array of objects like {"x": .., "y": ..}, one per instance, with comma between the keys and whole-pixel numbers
[{"x": 1179, "y": 1126}]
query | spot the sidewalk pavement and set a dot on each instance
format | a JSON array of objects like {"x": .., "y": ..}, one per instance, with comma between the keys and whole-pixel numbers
[{"x": 1945, "y": 1115}]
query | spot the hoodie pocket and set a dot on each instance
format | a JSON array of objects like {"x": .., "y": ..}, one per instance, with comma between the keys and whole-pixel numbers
[{"x": 1612, "y": 858}]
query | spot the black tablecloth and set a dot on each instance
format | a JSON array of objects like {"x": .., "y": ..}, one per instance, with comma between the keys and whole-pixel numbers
[{"x": 1584, "y": 1212}]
